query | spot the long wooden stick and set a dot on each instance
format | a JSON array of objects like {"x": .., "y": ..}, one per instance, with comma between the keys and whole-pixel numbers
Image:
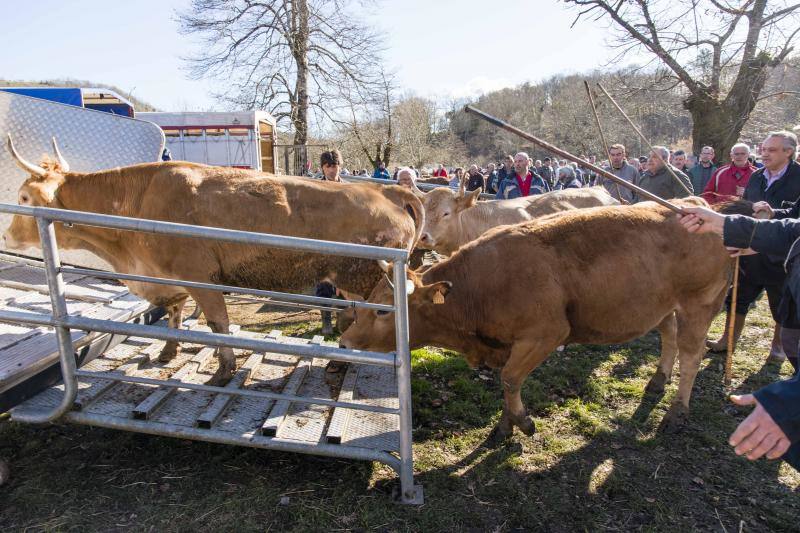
[
  {"x": 732, "y": 323},
  {"x": 641, "y": 135},
  {"x": 566, "y": 155},
  {"x": 602, "y": 135}
]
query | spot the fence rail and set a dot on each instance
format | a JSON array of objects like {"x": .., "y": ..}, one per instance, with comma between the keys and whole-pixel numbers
[{"x": 63, "y": 322}]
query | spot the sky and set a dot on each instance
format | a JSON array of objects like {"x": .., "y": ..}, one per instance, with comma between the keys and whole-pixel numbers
[{"x": 444, "y": 48}]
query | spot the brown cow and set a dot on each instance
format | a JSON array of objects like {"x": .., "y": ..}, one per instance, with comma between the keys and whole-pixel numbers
[
  {"x": 191, "y": 193},
  {"x": 453, "y": 219},
  {"x": 602, "y": 275}
]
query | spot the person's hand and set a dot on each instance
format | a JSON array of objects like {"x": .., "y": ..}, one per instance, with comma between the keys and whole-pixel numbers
[
  {"x": 763, "y": 210},
  {"x": 758, "y": 434},
  {"x": 738, "y": 252},
  {"x": 702, "y": 220}
]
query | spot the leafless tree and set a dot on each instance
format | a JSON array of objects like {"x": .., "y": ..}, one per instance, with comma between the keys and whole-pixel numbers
[
  {"x": 290, "y": 57},
  {"x": 720, "y": 51}
]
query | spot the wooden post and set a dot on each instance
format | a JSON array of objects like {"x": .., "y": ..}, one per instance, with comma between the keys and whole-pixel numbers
[
  {"x": 602, "y": 135},
  {"x": 731, "y": 323}
]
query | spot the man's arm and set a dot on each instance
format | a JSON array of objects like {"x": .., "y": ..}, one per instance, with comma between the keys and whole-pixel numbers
[
  {"x": 680, "y": 192},
  {"x": 789, "y": 212},
  {"x": 782, "y": 401},
  {"x": 774, "y": 237}
]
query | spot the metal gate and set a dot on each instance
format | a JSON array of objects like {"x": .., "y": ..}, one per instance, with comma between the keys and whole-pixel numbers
[{"x": 68, "y": 401}]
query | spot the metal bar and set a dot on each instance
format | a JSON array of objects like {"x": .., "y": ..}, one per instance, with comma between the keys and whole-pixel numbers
[
  {"x": 66, "y": 354},
  {"x": 198, "y": 337},
  {"x": 204, "y": 232},
  {"x": 278, "y": 303},
  {"x": 422, "y": 186},
  {"x": 408, "y": 492},
  {"x": 239, "y": 392},
  {"x": 71, "y": 295},
  {"x": 221, "y": 401},
  {"x": 254, "y": 441},
  {"x": 566, "y": 155},
  {"x": 149, "y": 405},
  {"x": 641, "y": 136},
  {"x": 289, "y": 297},
  {"x": 341, "y": 417}
]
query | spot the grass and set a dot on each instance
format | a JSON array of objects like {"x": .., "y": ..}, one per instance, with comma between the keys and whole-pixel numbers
[{"x": 597, "y": 462}]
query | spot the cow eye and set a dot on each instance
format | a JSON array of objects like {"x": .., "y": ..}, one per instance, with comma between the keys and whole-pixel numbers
[
  {"x": 446, "y": 214},
  {"x": 381, "y": 312}
]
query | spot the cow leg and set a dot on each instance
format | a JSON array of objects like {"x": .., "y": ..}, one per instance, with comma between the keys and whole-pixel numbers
[
  {"x": 525, "y": 357},
  {"x": 692, "y": 326},
  {"x": 175, "y": 319},
  {"x": 213, "y": 305},
  {"x": 668, "y": 328}
]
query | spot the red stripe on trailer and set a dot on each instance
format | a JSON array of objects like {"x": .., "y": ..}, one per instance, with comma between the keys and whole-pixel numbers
[{"x": 211, "y": 126}]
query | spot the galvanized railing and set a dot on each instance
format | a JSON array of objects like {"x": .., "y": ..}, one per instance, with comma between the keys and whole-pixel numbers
[
  {"x": 63, "y": 322},
  {"x": 420, "y": 185}
]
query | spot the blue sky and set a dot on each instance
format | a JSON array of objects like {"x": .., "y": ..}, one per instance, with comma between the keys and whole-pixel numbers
[{"x": 438, "y": 47}]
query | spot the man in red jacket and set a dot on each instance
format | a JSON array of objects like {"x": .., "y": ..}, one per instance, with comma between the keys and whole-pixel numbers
[
  {"x": 440, "y": 172},
  {"x": 729, "y": 181}
]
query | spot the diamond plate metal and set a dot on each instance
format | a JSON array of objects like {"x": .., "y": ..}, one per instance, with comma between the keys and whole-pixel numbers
[{"x": 89, "y": 140}]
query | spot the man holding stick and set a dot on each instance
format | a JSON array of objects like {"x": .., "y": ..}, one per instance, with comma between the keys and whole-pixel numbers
[
  {"x": 658, "y": 180},
  {"x": 772, "y": 430},
  {"x": 622, "y": 169}
]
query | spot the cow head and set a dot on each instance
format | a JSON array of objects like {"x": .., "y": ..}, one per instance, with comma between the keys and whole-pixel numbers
[
  {"x": 442, "y": 223},
  {"x": 39, "y": 190},
  {"x": 374, "y": 329}
]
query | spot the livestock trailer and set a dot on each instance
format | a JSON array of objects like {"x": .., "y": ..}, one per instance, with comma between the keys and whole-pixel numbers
[
  {"x": 240, "y": 139},
  {"x": 98, "y": 99}
]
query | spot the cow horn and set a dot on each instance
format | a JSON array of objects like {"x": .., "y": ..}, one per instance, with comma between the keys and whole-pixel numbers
[
  {"x": 61, "y": 161},
  {"x": 386, "y": 267},
  {"x": 389, "y": 281},
  {"x": 462, "y": 186},
  {"x": 416, "y": 190},
  {"x": 34, "y": 170}
]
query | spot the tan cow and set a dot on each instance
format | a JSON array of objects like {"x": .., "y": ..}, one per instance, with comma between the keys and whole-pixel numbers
[
  {"x": 190, "y": 193},
  {"x": 453, "y": 219},
  {"x": 603, "y": 275}
]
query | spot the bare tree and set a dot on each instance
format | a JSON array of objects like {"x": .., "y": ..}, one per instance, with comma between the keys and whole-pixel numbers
[
  {"x": 286, "y": 56},
  {"x": 720, "y": 51}
]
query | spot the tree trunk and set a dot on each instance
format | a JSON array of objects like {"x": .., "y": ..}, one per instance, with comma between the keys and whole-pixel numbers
[
  {"x": 300, "y": 52},
  {"x": 717, "y": 124}
]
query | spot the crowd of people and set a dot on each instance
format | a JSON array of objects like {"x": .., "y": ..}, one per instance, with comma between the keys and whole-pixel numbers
[{"x": 770, "y": 180}]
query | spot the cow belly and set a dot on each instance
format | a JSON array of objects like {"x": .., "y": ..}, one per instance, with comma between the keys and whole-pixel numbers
[{"x": 615, "y": 324}]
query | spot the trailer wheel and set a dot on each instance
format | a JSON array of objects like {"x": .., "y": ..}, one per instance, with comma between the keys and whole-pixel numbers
[{"x": 5, "y": 473}]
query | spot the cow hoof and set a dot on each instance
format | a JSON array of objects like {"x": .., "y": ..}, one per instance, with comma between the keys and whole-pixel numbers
[
  {"x": 526, "y": 425},
  {"x": 168, "y": 353},
  {"x": 656, "y": 383},
  {"x": 221, "y": 377},
  {"x": 676, "y": 418},
  {"x": 498, "y": 436}
]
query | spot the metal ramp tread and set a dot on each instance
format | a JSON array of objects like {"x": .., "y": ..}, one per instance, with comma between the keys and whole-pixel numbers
[
  {"x": 247, "y": 419},
  {"x": 26, "y": 350}
]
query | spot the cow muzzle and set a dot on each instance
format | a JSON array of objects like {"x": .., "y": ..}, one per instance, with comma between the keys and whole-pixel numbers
[
  {"x": 426, "y": 240},
  {"x": 10, "y": 243}
]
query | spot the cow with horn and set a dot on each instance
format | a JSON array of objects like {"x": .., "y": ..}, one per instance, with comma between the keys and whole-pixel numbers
[{"x": 202, "y": 195}]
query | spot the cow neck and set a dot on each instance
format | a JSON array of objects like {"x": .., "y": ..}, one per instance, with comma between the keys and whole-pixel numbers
[
  {"x": 111, "y": 192},
  {"x": 479, "y": 220},
  {"x": 106, "y": 193},
  {"x": 451, "y": 324}
]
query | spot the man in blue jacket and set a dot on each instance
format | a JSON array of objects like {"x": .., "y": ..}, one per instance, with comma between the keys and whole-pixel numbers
[
  {"x": 773, "y": 428},
  {"x": 522, "y": 181},
  {"x": 778, "y": 186},
  {"x": 381, "y": 172}
]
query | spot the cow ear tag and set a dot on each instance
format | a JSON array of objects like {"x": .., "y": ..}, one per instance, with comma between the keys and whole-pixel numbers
[{"x": 438, "y": 297}]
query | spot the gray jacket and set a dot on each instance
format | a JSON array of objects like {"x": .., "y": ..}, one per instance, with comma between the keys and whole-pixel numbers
[
  {"x": 664, "y": 185},
  {"x": 627, "y": 172}
]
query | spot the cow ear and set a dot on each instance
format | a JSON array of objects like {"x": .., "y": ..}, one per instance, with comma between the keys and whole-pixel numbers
[
  {"x": 469, "y": 199},
  {"x": 435, "y": 292}
]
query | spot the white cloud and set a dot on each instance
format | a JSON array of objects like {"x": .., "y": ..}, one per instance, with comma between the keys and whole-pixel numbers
[{"x": 473, "y": 88}]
